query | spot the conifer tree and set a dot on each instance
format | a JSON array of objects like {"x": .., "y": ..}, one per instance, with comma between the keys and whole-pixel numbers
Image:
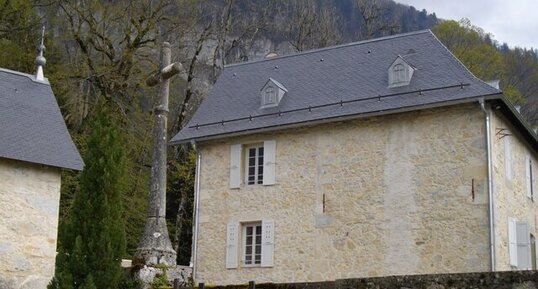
[{"x": 93, "y": 241}]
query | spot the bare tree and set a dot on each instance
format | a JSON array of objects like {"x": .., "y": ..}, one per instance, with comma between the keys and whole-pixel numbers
[
  {"x": 374, "y": 19},
  {"x": 310, "y": 26}
]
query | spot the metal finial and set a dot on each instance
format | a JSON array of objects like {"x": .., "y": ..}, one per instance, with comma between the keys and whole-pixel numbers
[
  {"x": 40, "y": 59},
  {"x": 43, "y": 36}
]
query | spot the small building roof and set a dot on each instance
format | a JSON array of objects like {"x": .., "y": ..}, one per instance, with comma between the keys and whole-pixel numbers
[
  {"x": 32, "y": 128},
  {"x": 335, "y": 83}
]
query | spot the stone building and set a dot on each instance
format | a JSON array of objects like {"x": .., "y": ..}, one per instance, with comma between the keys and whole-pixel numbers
[
  {"x": 381, "y": 157},
  {"x": 34, "y": 147}
]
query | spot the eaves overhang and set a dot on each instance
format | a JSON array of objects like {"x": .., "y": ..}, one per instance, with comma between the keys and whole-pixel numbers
[
  {"x": 504, "y": 106},
  {"x": 495, "y": 97}
]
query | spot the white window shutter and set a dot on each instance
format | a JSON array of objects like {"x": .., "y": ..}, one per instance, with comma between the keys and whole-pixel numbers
[
  {"x": 269, "y": 163},
  {"x": 508, "y": 157},
  {"x": 512, "y": 241},
  {"x": 232, "y": 236},
  {"x": 528, "y": 168},
  {"x": 235, "y": 166},
  {"x": 268, "y": 243},
  {"x": 523, "y": 246}
]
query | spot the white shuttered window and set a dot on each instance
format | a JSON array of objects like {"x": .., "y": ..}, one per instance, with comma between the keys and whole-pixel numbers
[
  {"x": 519, "y": 244},
  {"x": 256, "y": 246},
  {"x": 257, "y": 167}
]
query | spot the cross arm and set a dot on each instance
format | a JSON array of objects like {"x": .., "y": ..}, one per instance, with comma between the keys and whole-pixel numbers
[{"x": 164, "y": 74}]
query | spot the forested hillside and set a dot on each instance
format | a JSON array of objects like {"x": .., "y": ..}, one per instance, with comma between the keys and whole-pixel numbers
[{"x": 99, "y": 53}]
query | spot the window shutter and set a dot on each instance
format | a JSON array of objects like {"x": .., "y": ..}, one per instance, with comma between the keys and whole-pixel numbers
[
  {"x": 528, "y": 168},
  {"x": 268, "y": 243},
  {"x": 523, "y": 246},
  {"x": 269, "y": 164},
  {"x": 232, "y": 231},
  {"x": 235, "y": 166},
  {"x": 512, "y": 241},
  {"x": 508, "y": 157}
]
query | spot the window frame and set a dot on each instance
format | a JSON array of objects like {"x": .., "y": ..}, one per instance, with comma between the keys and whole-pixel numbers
[
  {"x": 269, "y": 96},
  {"x": 259, "y": 156},
  {"x": 255, "y": 226},
  {"x": 399, "y": 73}
]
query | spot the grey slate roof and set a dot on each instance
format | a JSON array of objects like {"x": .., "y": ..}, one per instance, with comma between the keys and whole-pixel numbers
[
  {"x": 333, "y": 83},
  {"x": 32, "y": 128}
]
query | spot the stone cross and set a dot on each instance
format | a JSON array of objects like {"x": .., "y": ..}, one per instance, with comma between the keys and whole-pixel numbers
[{"x": 155, "y": 246}]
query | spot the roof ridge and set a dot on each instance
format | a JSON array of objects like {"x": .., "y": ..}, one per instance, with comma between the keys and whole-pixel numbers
[
  {"x": 30, "y": 76},
  {"x": 356, "y": 43}
]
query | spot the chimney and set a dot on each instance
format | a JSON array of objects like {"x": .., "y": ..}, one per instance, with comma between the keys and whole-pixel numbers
[{"x": 40, "y": 59}]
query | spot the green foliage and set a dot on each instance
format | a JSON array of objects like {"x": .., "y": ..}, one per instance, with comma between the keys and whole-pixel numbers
[
  {"x": 88, "y": 283},
  {"x": 160, "y": 281},
  {"x": 130, "y": 282},
  {"x": 468, "y": 44},
  {"x": 93, "y": 237},
  {"x": 475, "y": 49},
  {"x": 513, "y": 93},
  {"x": 180, "y": 200},
  {"x": 19, "y": 35}
]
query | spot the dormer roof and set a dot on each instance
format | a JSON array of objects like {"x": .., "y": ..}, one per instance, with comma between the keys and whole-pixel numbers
[{"x": 278, "y": 84}]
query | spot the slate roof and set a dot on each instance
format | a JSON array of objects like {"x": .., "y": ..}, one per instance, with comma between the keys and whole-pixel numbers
[
  {"x": 32, "y": 128},
  {"x": 333, "y": 83}
]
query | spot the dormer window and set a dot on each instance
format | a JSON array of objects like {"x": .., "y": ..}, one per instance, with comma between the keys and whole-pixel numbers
[
  {"x": 271, "y": 93},
  {"x": 400, "y": 73},
  {"x": 270, "y": 96}
]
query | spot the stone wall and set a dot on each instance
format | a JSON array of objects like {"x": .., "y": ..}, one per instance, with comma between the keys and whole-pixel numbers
[
  {"x": 29, "y": 204},
  {"x": 486, "y": 280},
  {"x": 404, "y": 194},
  {"x": 510, "y": 195}
]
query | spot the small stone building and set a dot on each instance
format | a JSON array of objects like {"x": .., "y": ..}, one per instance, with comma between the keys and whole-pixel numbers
[
  {"x": 34, "y": 147},
  {"x": 381, "y": 157}
]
